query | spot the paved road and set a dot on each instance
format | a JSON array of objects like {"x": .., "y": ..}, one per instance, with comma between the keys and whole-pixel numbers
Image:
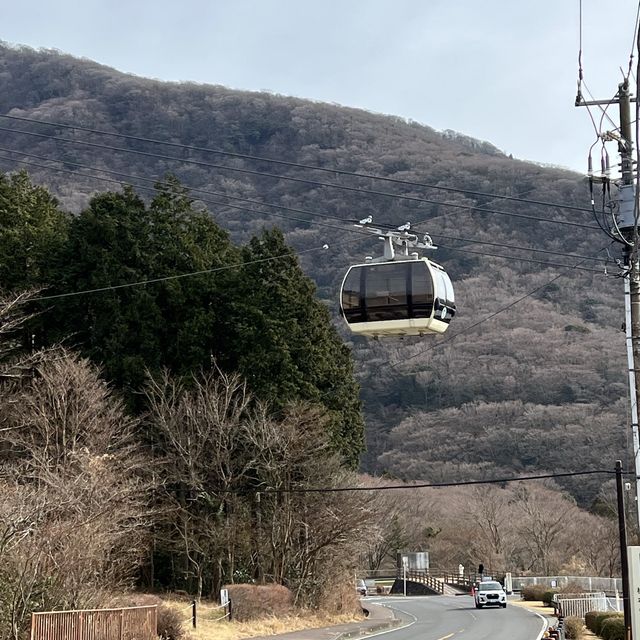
[{"x": 456, "y": 618}]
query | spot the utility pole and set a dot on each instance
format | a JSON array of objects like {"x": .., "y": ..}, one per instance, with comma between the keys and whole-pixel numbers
[
  {"x": 627, "y": 219},
  {"x": 624, "y": 228},
  {"x": 624, "y": 563}
]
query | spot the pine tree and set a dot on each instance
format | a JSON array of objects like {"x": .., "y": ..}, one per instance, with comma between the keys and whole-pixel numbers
[
  {"x": 286, "y": 345},
  {"x": 134, "y": 330},
  {"x": 32, "y": 232}
]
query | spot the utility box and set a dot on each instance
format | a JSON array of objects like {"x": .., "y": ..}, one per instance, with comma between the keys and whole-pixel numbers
[{"x": 414, "y": 560}]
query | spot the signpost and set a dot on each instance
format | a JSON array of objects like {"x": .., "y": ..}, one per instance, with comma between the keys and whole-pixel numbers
[{"x": 405, "y": 562}]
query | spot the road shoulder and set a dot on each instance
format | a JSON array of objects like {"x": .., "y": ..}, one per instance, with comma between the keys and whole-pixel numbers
[{"x": 380, "y": 618}]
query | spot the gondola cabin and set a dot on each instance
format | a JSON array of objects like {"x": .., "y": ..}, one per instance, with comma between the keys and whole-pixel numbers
[{"x": 408, "y": 297}]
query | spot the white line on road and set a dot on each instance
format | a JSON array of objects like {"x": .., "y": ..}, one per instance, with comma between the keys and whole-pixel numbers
[
  {"x": 545, "y": 624},
  {"x": 405, "y": 626}
]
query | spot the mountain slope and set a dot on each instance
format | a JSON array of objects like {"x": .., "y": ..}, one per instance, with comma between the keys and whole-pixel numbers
[{"x": 514, "y": 393}]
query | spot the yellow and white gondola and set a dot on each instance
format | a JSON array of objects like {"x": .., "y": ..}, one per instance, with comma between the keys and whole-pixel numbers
[{"x": 404, "y": 295}]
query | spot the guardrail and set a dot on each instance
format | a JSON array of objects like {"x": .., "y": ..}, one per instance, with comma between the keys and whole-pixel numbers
[{"x": 425, "y": 578}]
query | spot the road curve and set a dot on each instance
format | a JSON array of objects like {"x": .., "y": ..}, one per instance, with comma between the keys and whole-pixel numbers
[{"x": 456, "y": 618}]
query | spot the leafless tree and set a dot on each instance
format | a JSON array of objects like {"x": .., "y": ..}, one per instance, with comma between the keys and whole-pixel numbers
[
  {"x": 74, "y": 490},
  {"x": 234, "y": 479}
]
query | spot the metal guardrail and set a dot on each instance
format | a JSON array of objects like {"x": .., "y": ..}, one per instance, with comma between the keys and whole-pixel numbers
[{"x": 578, "y": 604}]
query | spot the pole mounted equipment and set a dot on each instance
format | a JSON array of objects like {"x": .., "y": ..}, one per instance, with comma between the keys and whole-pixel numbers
[{"x": 624, "y": 229}]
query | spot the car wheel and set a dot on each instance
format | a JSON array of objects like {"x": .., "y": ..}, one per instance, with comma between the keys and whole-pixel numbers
[
  {"x": 478, "y": 606},
  {"x": 504, "y": 606}
]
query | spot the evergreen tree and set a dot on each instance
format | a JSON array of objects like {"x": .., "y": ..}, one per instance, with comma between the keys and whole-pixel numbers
[
  {"x": 32, "y": 232},
  {"x": 286, "y": 345},
  {"x": 116, "y": 241}
]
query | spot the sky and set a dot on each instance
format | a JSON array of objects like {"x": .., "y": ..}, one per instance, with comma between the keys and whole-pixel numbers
[{"x": 503, "y": 71}]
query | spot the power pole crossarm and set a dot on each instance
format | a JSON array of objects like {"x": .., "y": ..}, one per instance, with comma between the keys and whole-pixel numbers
[{"x": 625, "y": 230}]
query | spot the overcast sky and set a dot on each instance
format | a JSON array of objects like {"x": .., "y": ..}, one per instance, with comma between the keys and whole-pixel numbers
[{"x": 504, "y": 71}]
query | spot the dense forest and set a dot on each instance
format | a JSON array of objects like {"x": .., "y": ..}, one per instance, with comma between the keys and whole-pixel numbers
[{"x": 530, "y": 376}]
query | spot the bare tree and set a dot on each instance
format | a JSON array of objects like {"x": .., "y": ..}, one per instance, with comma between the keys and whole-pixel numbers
[
  {"x": 74, "y": 490},
  {"x": 234, "y": 480}
]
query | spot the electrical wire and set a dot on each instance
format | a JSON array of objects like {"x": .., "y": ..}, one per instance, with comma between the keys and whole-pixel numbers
[
  {"x": 427, "y": 485},
  {"x": 368, "y": 191},
  {"x": 545, "y": 263},
  {"x": 581, "y": 82},
  {"x": 298, "y": 165},
  {"x": 207, "y": 271},
  {"x": 485, "y": 319},
  {"x": 130, "y": 178},
  {"x": 259, "y": 202},
  {"x": 179, "y": 276},
  {"x": 633, "y": 42},
  {"x": 204, "y": 200},
  {"x": 351, "y": 229},
  {"x": 604, "y": 112}
]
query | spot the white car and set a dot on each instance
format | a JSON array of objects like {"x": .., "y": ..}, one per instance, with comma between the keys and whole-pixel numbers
[{"x": 490, "y": 593}]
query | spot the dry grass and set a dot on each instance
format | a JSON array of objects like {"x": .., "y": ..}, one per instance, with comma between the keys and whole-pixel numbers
[
  {"x": 535, "y": 605},
  {"x": 210, "y": 628}
]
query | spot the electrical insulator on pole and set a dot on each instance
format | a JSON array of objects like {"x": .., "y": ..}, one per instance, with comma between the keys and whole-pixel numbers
[{"x": 625, "y": 231}]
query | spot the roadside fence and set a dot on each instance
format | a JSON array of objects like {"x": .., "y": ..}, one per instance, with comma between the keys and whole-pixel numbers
[
  {"x": 578, "y": 604},
  {"x": 588, "y": 583},
  {"x": 192, "y": 613},
  {"x": 127, "y": 623}
]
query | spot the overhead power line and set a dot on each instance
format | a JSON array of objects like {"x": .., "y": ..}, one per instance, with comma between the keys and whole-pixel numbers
[
  {"x": 261, "y": 202},
  {"x": 302, "y": 180},
  {"x": 195, "y": 273},
  {"x": 468, "y": 328},
  {"x": 179, "y": 276},
  {"x": 430, "y": 485},
  {"x": 156, "y": 179},
  {"x": 204, "y": 200},
  {"x": 298, "y": 165},
  {"x": 350, "y": 229},
  {"x": 546, "y": 263}
]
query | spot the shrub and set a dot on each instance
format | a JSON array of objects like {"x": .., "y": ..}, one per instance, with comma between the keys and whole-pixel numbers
[
  {"x": 134, "y": 600},
  {"x": 169, "y": 624},
  {"x": 573, "y": 628},
  {"x": 603, "y": 617},
  {"x": 547, "y": 597},
  {"x": 533, "y": 592},
  {"x": 595, "y": 619},
  {"x": 249, "y": 601},
  {"x": 613, "y": 628},
  {"x": 590, "y": 620}
]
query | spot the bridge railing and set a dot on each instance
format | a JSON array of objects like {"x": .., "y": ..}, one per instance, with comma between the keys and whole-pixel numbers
[{"x": 423, "y": 577}]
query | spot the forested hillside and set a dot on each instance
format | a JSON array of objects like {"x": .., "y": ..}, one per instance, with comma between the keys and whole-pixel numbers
[{"x": 530, "y": 376}]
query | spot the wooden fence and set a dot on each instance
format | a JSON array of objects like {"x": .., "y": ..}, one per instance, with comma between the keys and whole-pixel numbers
[
  {"x": 130, "y": 623},
  {"x": 424, "y": 578}
]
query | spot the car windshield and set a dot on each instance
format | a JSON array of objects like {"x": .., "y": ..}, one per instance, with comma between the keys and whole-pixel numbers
[{"x": 490, "y": 586}]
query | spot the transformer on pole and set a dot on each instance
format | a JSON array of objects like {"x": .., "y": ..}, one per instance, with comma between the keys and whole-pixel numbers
[{"x": 624, "y": 229}]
